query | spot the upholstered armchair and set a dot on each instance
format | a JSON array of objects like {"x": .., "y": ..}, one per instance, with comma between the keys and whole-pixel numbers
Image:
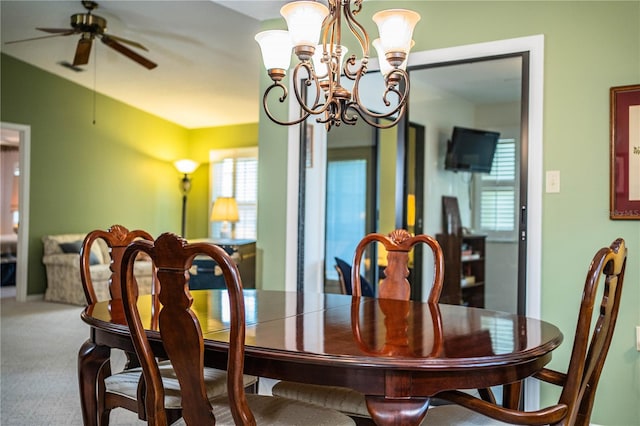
[{"x": 62, "y": 263}]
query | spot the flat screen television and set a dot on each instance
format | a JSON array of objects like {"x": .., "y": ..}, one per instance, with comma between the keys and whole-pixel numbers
[{"x": 471, "y": 150}]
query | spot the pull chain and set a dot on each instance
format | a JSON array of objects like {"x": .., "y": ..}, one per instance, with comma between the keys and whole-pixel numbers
[{"x": 95, "y": 73}]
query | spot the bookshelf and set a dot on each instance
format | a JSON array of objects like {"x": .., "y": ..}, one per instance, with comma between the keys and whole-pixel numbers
[{"x": 464, "y": 269}]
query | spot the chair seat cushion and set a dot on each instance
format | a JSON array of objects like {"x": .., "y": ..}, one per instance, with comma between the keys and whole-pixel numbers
[
  {"x": 342, "y": 399},
  {"x": 447, "y": 415},
  {"x": 273, "y": 410},
  {"x": 345, "y": 400},
  {"x": 125, "y": 383}
]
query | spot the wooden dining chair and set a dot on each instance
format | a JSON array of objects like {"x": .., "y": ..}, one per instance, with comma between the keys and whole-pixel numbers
[
  {"x": 344, "y": 276},
  {"x": 591, "y": 343},
  {"x": 122, "y": 389},
  {"x": 394, "y": 285},
  {"x": 182, "y": 340}
]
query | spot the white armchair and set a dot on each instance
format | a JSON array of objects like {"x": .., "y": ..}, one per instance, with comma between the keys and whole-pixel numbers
[{"x": 62, "y": 263}]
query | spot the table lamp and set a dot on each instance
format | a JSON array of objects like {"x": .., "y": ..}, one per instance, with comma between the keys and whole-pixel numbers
[{"x": 225, "y": 210}]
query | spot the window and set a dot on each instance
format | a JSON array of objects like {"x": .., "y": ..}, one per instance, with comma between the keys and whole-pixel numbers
[
  {"x": 496, "y": 194},
  {"x": 234, "y": 173},
  {"x": 346, "y": 210}
]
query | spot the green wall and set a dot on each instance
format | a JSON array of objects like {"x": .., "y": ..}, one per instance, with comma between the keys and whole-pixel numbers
[
  {"x": 589, "y": 47},
  {"x": 86, "y": 176},
  {"x": 119, "y": 170}
]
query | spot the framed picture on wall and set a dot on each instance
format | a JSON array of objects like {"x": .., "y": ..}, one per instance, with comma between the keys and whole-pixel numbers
[{"x": 624, "y": 185}]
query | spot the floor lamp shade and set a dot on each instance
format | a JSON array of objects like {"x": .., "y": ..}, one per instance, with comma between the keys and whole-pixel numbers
[{"x": 225, "y": 210}]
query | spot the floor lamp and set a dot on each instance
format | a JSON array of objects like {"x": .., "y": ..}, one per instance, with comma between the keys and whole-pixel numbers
[{"x": 185, "y": 167}]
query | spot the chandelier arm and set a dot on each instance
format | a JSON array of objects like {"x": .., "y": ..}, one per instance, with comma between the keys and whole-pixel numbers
[
  {"x": 328, "y": 25},
  {"x": 358, "y": 4},
  {"x": 402, "y": 96},
  {"x": 282, "y": 99},
  {"x": 349, "y": 119},
  {"x": 352, "y": 74},
  {"x": 377, "y": 124},
  {"x": 317, "y": 107},
  {"x": 358, "y": 32}
]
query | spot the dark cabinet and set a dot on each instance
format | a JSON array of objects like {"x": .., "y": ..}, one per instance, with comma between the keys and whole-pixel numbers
[
  {"x": 205, "y": 273},
  {"x": 464, "y": 269}
]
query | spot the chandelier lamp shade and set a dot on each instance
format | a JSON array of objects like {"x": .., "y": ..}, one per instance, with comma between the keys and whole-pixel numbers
[{"x": 314, "y": 34}]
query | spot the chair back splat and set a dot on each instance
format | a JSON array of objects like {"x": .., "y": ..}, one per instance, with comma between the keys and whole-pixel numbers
[
  {"x": 117, "y": 238},
  {"x": 181, "y": 333},
  {"x": 398, "y": 244}
]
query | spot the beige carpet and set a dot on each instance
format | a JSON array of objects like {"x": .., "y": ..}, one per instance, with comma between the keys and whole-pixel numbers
[{"x": 39, "y": 344}]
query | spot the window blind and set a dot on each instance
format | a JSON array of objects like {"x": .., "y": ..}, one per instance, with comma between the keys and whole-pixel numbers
[
  {"x": 497, "y": 193},
  {"x": 238, "y": 177}
]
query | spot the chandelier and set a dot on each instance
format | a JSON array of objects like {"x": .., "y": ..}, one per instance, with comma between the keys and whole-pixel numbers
[{"x": 321, "y": 66}]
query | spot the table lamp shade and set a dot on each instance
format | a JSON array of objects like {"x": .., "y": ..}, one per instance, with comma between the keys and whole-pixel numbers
[{"x": 225, "y": 209}]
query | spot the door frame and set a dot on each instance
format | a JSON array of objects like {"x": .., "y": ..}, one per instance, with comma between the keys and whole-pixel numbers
[
  {"x": 534, "y": 45},
  {"x": 22, "y": 262}
]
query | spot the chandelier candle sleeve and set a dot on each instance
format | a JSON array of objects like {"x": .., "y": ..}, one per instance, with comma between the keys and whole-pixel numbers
[
  {"x": 314, "y": 35},
  {"x": 385, "y": 66},
  {"x": 320, "y": 65}
]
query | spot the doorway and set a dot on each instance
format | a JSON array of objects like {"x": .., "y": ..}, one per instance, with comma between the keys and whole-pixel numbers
[
  {"x": 310, "y": 259},
  {"x": 373, "y": 184},
  {"x": 21, "y": 136},
  {"x": 487, "y": 96}
]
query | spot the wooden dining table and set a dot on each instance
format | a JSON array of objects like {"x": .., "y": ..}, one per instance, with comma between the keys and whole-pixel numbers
[{"x": 398, "y": 353}]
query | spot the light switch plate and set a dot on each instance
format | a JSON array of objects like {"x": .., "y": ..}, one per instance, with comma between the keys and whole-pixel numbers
[
  {"x": 553, "y": 181},
  {"x": 638, "y": 338}
]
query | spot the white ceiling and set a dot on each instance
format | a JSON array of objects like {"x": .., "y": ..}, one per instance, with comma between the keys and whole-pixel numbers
[{"x": 208, "y": 62}]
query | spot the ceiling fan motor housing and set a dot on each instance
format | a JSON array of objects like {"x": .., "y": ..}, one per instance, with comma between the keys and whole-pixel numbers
[{"x": 88, "y": 23}]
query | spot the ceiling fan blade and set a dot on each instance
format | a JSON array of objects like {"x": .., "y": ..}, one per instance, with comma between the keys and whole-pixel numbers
[
  {"x": 61, "y": 31},
  {"x": 70, "y": 66},
  {"x": 112, "y": 43},
  {"x": 68, "y": 32},
  {"x": 129, "y": 42},
  {"x": 83, "y": 50}
]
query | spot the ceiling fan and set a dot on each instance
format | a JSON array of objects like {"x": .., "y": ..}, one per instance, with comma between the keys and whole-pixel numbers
[{"x": 90, "y": 26}]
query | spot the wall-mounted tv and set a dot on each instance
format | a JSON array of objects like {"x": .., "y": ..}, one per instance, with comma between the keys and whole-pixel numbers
[{"x": 471, "y": 150}]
